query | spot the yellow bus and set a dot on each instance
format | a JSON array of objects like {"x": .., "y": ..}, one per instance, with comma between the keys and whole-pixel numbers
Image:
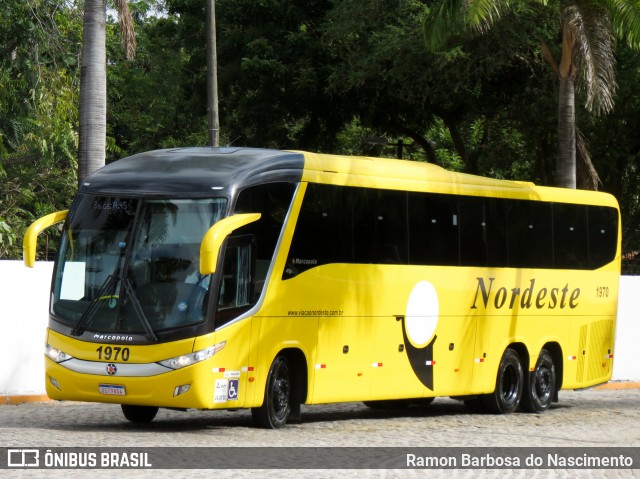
[{"x": 226, "y": 278}]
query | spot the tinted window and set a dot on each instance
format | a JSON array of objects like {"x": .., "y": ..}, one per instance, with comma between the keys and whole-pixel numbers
[
  {"x": 360, "y": 225},
  {"x": 433, "y": 229},
  {"x": 272, "y": 201},
  {"x": 529, "y": 234},
  {"x": 495, "y": 231},
  {"x": 323, "y": 231},
  {"x": 603, "y": 232},
  {"x": 379, "y": 225},
  {"x": 482, "y": 232},
  {"x": 570, "y": 236}
]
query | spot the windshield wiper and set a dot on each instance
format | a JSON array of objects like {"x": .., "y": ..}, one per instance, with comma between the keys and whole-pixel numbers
[
  {"x": 91, "y": 311},
  {"x": 138, "y": 309}
]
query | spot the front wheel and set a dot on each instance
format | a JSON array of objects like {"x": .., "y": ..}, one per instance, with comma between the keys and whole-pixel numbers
[
  {"x": 140, "y": 414},
  {"x": 539, "y": 391},
  {"x": 276, "y": 407},
  {"x": 509, "y": 385}
]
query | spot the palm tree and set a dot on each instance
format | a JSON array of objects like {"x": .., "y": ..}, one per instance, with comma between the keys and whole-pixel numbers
[
  {"x": 589, "y": 28},
  {"x": 92, "y": 111}
]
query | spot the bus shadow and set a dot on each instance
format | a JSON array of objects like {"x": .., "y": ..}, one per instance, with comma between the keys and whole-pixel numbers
[
  {"x": 358, "y": 411},
  {"x": 110, "y": 419}
]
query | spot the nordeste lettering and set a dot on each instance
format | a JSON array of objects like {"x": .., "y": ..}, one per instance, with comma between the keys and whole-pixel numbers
[{"x": 489, "y": 294}]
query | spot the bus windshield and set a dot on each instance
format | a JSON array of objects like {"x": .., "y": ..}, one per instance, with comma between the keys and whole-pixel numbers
[{"x": 132, "y": 265}]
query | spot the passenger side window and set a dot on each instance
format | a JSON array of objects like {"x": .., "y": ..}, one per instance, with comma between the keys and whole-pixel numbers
[
  {"x": 482, "y": 231},
  {"x": 603, "y": 233},
  {"x": 323, "y": 233},
  {"x": 380, "y": 226},
  {"x": 529, "y": 234},
  {"x": 374, "y": 226},
  {"x": 570, "y": 236},
  {"x": 433, "y": 230}
]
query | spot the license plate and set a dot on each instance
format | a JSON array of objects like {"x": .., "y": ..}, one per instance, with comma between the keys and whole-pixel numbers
[{"x": 112, "y": 389}]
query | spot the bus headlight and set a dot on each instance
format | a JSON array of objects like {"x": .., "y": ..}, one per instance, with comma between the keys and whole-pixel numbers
[
  {"x": 55, "y": 354},
  {"x": 189, "y": 359}
]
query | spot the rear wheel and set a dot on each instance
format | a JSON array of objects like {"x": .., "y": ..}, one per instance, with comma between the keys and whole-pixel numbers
[
  {"x": 140, "y": 414},
  {"x": 539, "y": 390},
  {"x": 276, "y": 407},
  {"x": 509, "y": 385}
]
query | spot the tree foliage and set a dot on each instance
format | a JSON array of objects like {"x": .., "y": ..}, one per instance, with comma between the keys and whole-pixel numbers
[
  {"x": 323, "y": 75},
  {"x": 587, "y": 29},
  {"x": 38, "y": 126}
]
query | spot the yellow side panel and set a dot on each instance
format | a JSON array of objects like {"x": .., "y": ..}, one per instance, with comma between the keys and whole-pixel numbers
[
  {"x": 534, "y": 308},
  {"x": 275, "y": 333},
  {"x": 389, "y": 364},
  {"x": 581, "y": 356},
  {"x": 453, "y": 352},
  {"x": 343, "y": 361},
  {"x": 230, "y": 368},
  {"x": 387, "y": 332},
  {"x": 363, "y": 314},
  {"x": 600, "y": 350}
]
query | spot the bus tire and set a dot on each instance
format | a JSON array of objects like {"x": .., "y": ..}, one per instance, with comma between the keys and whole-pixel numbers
[
  {"x": 541, "y": 386},
  {"x": 509, "y": 385},
  {"x": 139, "y": 414},
  {"x": 276, "y": 406}
]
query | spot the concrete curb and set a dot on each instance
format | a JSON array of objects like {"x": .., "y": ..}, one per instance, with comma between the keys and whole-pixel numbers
[
  {"x": 6, "y": 400},
  {"x": 613, "y": 385}
]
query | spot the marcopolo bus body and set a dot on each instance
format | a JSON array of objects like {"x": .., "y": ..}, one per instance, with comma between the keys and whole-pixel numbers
[{"x": 246, "y": 278}]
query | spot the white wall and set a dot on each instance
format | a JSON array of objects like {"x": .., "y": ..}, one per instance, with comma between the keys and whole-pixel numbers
[
  {"x": 626, "y": 362},
  {"x": 24, "y": 304}
]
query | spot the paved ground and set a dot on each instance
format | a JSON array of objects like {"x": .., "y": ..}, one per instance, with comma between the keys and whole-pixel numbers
[{"x": 591, "y": 418}]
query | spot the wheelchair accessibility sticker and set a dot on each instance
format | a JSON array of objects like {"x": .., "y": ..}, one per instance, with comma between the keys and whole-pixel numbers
[
  {"x": 226, "y": 390},
  {"x": 233, "y": 390}
]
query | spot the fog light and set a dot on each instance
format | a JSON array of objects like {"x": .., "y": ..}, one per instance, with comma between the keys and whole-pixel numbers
[
  {"x": 54, "y": 383},
  {"x": 181, "y": 389}
]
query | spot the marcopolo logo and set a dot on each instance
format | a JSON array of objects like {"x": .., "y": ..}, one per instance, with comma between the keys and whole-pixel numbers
[{"x": 488, "y": 294}]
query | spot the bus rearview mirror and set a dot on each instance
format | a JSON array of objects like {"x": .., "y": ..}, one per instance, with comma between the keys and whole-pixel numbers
[
  {"x": 215, "y": 236},
  {"x": 30, "y": 241}
]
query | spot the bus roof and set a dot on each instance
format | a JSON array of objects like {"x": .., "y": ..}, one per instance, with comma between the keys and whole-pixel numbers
[
  {"x": 420, "y": 176},
  {"x": 201, "y": 171},
  {"x": 194, "y": 171}
]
